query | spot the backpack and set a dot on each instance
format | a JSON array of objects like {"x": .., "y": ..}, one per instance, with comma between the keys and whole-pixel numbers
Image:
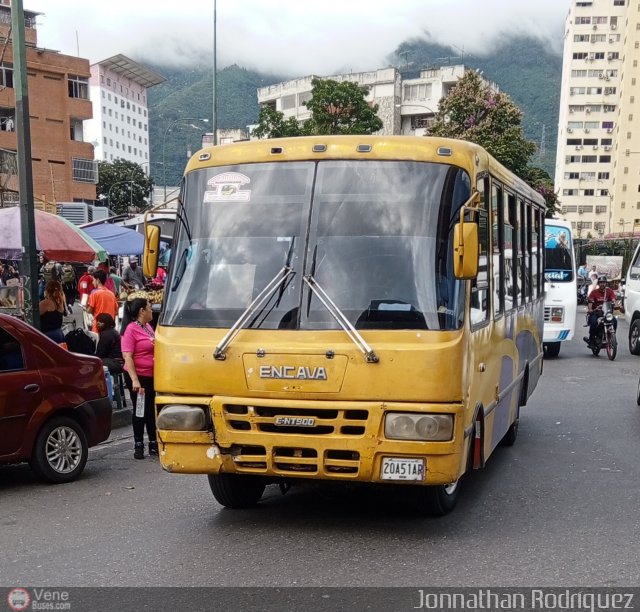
[
  {"x": 68, "y": 273},
  {"x": 51, "y": 271},
  {"x": 78, "y": 341}
]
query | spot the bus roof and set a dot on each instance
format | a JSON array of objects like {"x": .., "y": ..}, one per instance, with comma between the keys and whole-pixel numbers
[{"x": 413, "y": 148}]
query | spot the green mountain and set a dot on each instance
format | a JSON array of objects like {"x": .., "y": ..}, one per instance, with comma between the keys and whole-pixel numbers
[
  {"x": 522, "y": 67},
  {"x": 187, "y": 95}
]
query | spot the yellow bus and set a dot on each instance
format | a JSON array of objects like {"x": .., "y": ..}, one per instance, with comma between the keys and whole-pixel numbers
[{"x": 347, "y": 308}]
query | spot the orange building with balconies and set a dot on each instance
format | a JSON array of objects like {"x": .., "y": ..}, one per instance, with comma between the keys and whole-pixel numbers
[{"x": 64, "y": 169}]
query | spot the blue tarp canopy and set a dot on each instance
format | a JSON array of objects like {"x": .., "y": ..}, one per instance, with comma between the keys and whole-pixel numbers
[{"x": 115, "y": 239}]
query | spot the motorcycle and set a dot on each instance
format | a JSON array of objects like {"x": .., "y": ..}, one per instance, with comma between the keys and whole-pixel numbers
[{"x": 605, "y": 331}]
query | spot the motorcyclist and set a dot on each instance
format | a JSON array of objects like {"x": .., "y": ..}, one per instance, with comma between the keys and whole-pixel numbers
[{"x": 601, "y": 294}]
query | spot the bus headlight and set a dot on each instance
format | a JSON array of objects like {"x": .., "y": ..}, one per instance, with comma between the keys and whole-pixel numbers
[
  {"x": 557, "y": 314},
  {"x": 179, "y": 417},
  {"x": 411, "y": 426}
]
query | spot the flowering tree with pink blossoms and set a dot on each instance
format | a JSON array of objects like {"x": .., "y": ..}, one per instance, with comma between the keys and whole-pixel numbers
[{"x": 473, "y": 111}]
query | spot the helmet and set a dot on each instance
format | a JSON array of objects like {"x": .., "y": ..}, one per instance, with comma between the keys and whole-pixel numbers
[{"x": 602, "y": 280}]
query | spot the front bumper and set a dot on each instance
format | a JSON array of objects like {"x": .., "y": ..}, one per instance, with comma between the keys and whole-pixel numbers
[{"x": 348, "y": 443}]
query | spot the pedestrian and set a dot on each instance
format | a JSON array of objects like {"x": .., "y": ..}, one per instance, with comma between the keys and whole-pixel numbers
[
  {"x": 69, "y": 285},
  {"x": 52, "y": 310},
  {"x": 85, "y": 285},
  {"x": 109, "y": 344},
  {"x": 133, "y": 277},
  {"x": 102, "y": 299},
  {"x": 138, "y": 340},
  {"x": 109, "y": 284},
  {"x": 117, "y": 280},
  {"x": 593, "y": 277}
]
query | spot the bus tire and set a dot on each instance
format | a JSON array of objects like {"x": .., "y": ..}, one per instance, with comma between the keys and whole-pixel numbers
[
  {"x": 634, "y": 337},
  {"x": 509, "y": 439},
  {"x": 236, "y": 491},
  {"x": 438, "y": 500},
  {"x": 552, "y": 349}
]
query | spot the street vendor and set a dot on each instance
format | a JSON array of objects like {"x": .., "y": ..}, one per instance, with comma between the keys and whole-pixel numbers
[{"x": 133, "y": 277}]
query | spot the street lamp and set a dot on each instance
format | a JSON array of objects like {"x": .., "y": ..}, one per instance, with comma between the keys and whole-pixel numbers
[
  {"x": 164, "y": 140},
  {"x": 120, "y": 183}
]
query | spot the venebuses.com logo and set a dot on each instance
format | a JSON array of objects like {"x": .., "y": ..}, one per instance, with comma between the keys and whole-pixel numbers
[{"x": 18, "y": 599}]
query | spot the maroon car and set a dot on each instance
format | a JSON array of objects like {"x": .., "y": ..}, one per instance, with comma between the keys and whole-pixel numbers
[{"x": 53, "y": 403}]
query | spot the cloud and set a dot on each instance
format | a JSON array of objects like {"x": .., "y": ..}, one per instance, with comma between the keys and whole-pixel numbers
[{"x": 289, "y": 37}]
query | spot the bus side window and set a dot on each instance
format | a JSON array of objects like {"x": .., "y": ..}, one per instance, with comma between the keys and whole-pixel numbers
[
  {"x": 480, "y": 296},
  {"x": 498, "y": 249}
]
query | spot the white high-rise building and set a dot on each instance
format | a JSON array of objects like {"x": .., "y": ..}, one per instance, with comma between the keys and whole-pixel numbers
[
  {"x": 120, "y": 125},
  {"x": 596, "y": 118}
]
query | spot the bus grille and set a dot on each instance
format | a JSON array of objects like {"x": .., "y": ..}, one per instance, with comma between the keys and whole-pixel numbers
[
  {"x": 315, "y": 422},
  {"x": 295, "y": 460},
  {"x": 287, "y": 455},
  {"x": 547, "y": 314}
]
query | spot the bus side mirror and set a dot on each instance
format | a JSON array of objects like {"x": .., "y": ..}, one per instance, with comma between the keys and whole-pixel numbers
[
  {"x": 465, "y": 250},
  {"x": 151, "y": 250}
]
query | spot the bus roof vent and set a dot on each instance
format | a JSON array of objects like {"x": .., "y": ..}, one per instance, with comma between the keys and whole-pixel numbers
[
  {"x": 319, "y": 148},
  {"x": 364, "y": 148},
  {"x": 276, "y": 150},
  {"x": 445, "y": 151}
]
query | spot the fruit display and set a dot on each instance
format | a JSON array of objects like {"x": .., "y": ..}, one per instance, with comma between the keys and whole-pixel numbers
[{"x": 154, "y": 296}]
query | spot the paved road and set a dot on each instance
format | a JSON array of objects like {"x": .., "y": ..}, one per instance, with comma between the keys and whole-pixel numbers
[{"x": 562, "y": 507}]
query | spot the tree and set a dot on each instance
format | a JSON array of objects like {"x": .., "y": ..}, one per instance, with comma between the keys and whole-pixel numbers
[
  {"x": 340, "y": 108},
  {"x": 272, "y": 124},
  {"x": 540, "y": 180},
  {"x": 336, "y": 108},
  {"x": 474, "y": 112},
  {"x": 122, "y": 185}
]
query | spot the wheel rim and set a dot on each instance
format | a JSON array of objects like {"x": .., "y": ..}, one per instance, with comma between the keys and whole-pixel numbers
[
  {"x": 635, "y": 335},
  {"x": 450, "y": 489},
  {"x": 63, "y": 450}
]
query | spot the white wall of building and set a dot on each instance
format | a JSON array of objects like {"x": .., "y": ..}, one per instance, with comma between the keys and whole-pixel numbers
[{"x": 592, "y": 83}]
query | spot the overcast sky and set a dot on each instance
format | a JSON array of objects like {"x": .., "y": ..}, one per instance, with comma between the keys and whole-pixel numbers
[{"x": 288, "y": 37}]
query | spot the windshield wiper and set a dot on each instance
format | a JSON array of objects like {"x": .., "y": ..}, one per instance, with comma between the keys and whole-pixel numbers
[
  {"x": 342, "y": 320},
  {"x": 276, "y": 282}
]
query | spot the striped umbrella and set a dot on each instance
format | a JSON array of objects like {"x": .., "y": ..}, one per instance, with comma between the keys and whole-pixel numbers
[{"x": 60, "y": 239}]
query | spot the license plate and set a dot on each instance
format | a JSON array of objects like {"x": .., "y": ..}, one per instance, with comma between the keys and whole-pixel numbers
[{"x": 396, "y": 468}]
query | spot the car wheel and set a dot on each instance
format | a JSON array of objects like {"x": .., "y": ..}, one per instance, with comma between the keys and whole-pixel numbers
[
  {"x": 60, "y": 451},
  {"x": 634, "y": 337},
  {"x": 552, "y": 349},
  {"x": 236, "y": 490}
]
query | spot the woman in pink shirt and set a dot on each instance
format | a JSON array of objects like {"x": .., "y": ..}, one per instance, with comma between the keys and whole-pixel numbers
[{"x": 137, "y": 349}]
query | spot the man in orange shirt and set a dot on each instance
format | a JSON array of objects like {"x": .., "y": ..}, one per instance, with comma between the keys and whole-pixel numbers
[{"x": 101, "y": 300}]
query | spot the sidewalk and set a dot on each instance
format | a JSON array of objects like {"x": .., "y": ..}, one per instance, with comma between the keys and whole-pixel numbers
[{"x": 120, "y": 418}]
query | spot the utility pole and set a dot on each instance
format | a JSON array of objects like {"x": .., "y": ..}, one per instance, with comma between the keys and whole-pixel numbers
[
  {"x": 215, "y": 70},
  {"x": 25, "y": 175}
]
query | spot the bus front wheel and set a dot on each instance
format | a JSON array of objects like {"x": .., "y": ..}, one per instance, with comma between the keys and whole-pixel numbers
[
  {"x": 236, "y": 490},
  {"x": 438, "y": 500},
  {"x": 552, "y": 349}
]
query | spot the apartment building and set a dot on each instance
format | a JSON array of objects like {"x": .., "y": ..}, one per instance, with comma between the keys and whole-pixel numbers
[
  {"x": 120, "y": 126},
  {"x": 405, "y": 106},
  {"x": 59, "y": 106},
  {"x": 596, "y": 115}
]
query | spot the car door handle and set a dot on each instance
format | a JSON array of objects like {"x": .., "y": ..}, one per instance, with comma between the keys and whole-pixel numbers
[{"x": 33, "y": 388}]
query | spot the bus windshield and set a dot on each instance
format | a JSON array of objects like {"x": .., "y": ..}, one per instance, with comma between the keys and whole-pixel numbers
[
  {"x": 557, "y": 248},
  {"x": 376, "y": 236}
]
